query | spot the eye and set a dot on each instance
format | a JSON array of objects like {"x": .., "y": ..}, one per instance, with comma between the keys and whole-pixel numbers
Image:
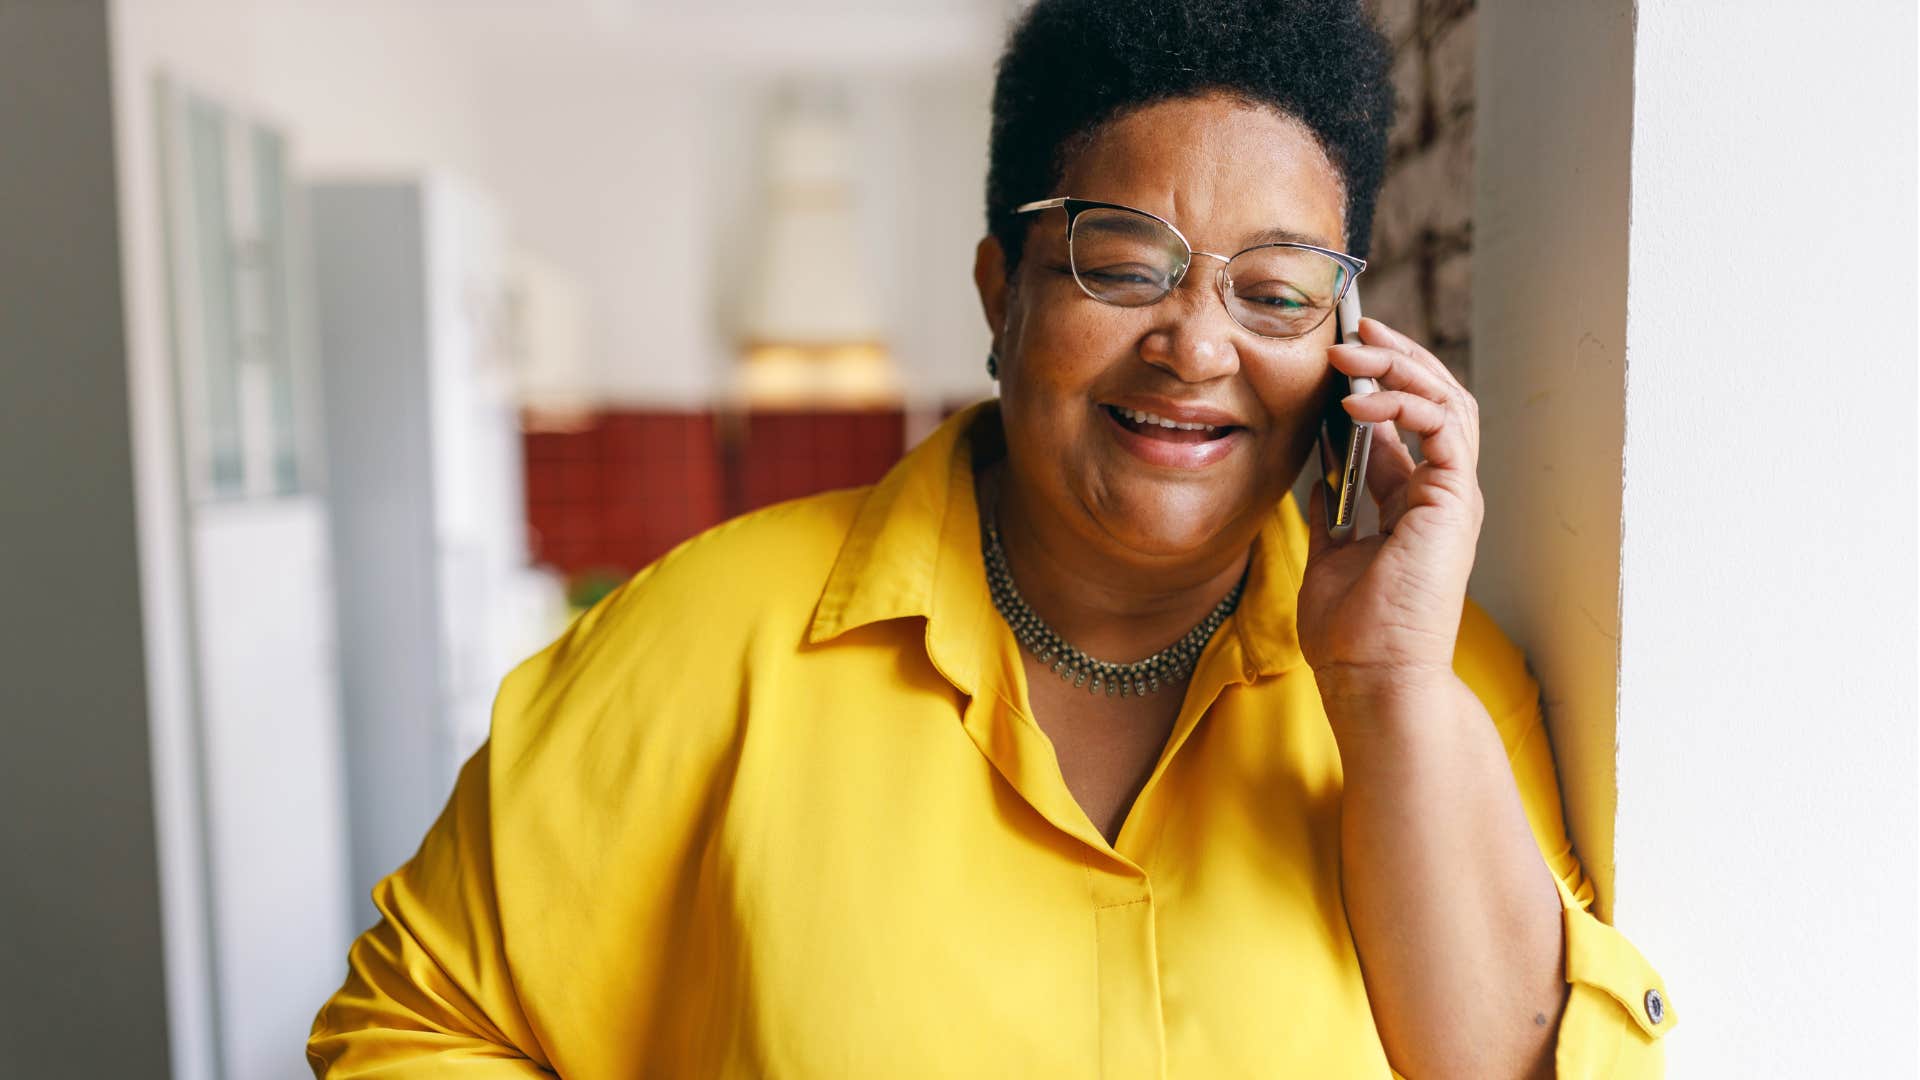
[
  {"x": 1278, "y": 296},
  {"x": 1130, "y": 274}
]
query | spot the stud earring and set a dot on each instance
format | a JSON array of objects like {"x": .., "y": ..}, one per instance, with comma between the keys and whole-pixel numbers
[{"x": 993, "y": 366}]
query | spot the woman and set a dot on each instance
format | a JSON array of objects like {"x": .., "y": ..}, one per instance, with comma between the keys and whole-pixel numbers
[{"x": 810, "y": 797}]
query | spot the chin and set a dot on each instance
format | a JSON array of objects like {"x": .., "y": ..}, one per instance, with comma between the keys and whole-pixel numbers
[{"x": 1169, "y": 524}]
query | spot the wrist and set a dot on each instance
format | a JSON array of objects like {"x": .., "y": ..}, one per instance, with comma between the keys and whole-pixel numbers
[{"x": 1352, "y": 692}]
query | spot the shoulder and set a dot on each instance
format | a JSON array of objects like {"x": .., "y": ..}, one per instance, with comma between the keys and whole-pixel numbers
[
  {"x": 1488, "y": 661},
  {"x": 742, "y": 573},
  {"x": 678, "y": 636}
]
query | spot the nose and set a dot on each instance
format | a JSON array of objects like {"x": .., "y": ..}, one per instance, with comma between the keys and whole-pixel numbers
[{"x": 1193, "y": 334}]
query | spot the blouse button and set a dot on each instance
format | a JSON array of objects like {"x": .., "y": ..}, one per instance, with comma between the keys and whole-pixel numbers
[{"x": 1656, "y": 1007}]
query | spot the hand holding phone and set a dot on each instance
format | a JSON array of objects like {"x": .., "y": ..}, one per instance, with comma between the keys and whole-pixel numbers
[{"x": 1364, "y": 632}]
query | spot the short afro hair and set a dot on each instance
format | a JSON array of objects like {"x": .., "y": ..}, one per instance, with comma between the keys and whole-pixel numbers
[{"x": 1071, "y": 66}]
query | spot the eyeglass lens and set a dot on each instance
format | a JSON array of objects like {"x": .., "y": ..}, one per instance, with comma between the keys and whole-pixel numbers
[{"x": 1131, "y": 260}]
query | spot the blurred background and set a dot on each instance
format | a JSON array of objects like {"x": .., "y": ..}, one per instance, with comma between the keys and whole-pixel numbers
[{"x": 415, "y": 326}]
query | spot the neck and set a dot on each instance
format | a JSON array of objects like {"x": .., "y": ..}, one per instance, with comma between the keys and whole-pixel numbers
[{"x": 1108, "y": 606}]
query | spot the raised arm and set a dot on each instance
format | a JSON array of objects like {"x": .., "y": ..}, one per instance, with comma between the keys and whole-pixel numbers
[{"x": 1479, "y": 960}]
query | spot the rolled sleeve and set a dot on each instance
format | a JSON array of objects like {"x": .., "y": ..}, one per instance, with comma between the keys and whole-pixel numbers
[
  {"x": 427, "y": 988},
  {"x": 1618, "y": 1009}
]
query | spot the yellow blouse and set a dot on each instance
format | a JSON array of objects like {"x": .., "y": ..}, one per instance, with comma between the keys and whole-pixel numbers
[{"x": 778, "y": 808}]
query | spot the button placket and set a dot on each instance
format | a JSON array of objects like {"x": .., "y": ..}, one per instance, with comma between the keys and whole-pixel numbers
[{"x": 1132, "y": 1023}]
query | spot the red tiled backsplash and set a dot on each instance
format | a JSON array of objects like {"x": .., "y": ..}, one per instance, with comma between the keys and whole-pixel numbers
[{"x": 627, "y": 486}]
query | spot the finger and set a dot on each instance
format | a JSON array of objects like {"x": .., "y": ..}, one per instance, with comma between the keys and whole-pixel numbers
[
  {"x": 1388, "y": 462},
  {"x": 1375, "y": 332},
  {"x": 1442, "y": 438},
  {"x": 1416, "y": 369},
  {"x": 1393, "y": 368},
  {"x": 1389, "y": 467},
  {"x": 1425, "y": 373},
  {"x": 1387, "y": 441}
]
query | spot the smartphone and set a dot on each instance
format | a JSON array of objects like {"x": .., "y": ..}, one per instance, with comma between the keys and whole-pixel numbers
[{"x": 1343, "y": 443}]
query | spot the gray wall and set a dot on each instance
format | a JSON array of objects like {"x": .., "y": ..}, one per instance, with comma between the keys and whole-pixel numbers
[{"x": 83, "y": 993}]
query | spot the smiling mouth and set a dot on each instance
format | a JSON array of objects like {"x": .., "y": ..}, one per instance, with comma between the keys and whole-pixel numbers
[{"x": 1155, "y": 427}]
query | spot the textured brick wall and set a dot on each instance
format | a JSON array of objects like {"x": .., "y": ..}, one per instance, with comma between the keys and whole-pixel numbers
[{"x": 1419, "y": 277}]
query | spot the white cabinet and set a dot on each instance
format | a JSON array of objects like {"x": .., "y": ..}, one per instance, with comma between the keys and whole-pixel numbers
[
  {"x": 267, "y": 727},
  {"x": 423, "y": 463}
]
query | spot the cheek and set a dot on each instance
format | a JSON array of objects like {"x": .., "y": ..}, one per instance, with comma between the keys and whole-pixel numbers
[
  {"x": 1292, "y": 389},
  {"x": 1059, "y": 357}
]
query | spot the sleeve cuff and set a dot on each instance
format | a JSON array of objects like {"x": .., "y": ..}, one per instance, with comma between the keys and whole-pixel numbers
[{"x": 1618, "y": 1009}]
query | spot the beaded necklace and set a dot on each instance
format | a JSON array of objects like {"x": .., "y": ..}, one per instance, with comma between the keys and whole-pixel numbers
[{"x": 1168, "y": 667}]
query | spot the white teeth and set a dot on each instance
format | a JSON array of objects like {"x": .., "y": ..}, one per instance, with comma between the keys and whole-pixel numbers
[{"x": 1139, "y": 417}]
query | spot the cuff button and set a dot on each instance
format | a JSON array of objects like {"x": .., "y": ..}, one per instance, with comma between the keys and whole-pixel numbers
[{"x": 1656, "y": 1007}]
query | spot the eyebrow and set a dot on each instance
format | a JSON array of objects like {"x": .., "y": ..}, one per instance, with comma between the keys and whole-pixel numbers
[{"x": 1284, "y": 236}]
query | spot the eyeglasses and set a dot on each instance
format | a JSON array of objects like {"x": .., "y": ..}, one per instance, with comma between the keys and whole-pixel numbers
[{"x": 1130, "y": 258}]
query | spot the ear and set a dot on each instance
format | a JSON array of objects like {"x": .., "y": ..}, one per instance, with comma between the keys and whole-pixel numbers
[{"x": 990, "y": 278}]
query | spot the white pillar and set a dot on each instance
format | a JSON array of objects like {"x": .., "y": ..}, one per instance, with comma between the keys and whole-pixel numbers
[
  {"x": 1549, "y": 327},
  {"x": 1697, "y": 287}
]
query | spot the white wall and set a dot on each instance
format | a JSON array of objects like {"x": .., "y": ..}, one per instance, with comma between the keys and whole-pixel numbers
[
  {"x": 604, "y": 171},
  {"x": 1696, "y": 293},
  {"x": 369, "y": 86},
  {"x": 611, "y": 152},
  {"x": 1766, "y": 837}
]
